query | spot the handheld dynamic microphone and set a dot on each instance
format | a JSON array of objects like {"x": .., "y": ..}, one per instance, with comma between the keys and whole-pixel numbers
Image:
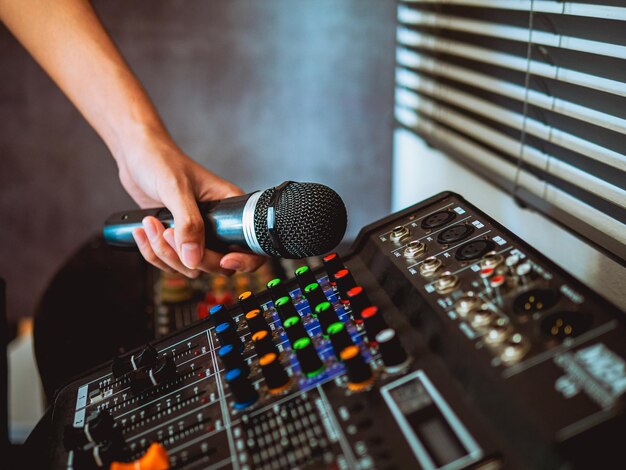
[{"x": 292, "y": 220}]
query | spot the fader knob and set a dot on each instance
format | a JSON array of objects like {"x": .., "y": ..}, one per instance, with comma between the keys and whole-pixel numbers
[
  {"x": 248, "y": 301},
  {"x": 305, "y": 276},
  {"x": 315, "y": 295},
  {"x": 263, "y": 344},
  {"x": 394, "y": 355},
  {"x": 360, "y": 376},
  {"x": 374, "y": 322},
  {"x": 332, "y": 264},
  {"x": 256, "y": 322},
  {"x": 241, "y": 388},
  {"x": 219, "y": 314},
  {"x": 359, "y": 301},
  {"x": 227, "y": 335},
  {"x": 276, "y": 377},
  {"x": 310, "y": 363},
  {"x": 146, "y": 358},
  {"x": 326, "y": 316},
  {"x": 164, "y": 371},
  {"x": 345, "y": 282},
  {"x": 277, "y": 289},
  {"x": 232, "y": 358},
  {"x": 339, "y": 337}
]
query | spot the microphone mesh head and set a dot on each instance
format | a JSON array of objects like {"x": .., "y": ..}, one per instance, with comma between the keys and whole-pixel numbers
[{"x": 311, "y": 220}]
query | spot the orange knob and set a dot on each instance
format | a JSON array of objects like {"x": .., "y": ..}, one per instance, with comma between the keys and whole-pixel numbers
[{"x": 155, "y": 458}]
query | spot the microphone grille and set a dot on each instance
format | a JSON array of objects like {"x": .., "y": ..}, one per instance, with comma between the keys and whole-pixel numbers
[{"x": 311, "y": 220}]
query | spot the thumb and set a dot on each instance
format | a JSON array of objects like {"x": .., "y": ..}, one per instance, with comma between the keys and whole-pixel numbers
[{"x": 188, "y": 228}]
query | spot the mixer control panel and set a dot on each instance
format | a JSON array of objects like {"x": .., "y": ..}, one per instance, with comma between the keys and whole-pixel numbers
[{"x": 440, "y": 340}]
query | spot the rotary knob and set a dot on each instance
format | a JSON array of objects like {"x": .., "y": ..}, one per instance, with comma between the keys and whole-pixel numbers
[
  {"x": 155, "y": 458},
  {"x": 227, "y": 335},
  {"x": 332, "y": 264},
  {"x": 339, "y": 337},
  {"x": 394, "y": 355},
  {"x": 146, "y": 358},
  {"x": 242, "y": 389},
  {"x": 276, "y": 377},
  {"x": 359, "y": 301},
  {"x": 326, "y": 316},
  {"x": 219, "y": 314},
  {"x": 263, "y": 344},
  {"x": 164, "y": 371},
  {"x": 232, "y": 358},
  {"x": 285, "y": 308},
  {"x": 345, "y": 282},
  {"x": 310, "y": 363},
  {"x": 360, "y": 376},
  {"x": 305, "y": 276},
  {"x": 256, "y": 322},
  {"x": 374, "y": 322},
  {"x": 294, "y": 329},
  {"x": 277, "y": 289},
  {"x": 314, "y": 294},
  {"x": 248, "y": 301}
]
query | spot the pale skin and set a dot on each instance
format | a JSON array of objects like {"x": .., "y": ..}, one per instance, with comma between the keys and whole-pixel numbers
[{"x": 67, "y": 39}]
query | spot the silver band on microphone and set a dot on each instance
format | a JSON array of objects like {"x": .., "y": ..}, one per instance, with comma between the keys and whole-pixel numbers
[{"x": 248, "y": 224}]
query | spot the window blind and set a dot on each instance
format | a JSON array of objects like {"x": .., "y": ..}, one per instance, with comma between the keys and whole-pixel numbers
[{"x": 529, "y": 93}]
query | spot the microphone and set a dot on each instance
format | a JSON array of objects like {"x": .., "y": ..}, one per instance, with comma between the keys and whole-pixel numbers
[{"x": 292, "y": 220}]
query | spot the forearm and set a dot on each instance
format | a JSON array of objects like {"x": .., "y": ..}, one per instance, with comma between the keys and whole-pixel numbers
[{"x": 69, "y": 42}]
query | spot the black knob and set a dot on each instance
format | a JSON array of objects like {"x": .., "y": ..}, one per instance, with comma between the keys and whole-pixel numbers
[
  {"x": 277, "y": 289},
  {"x": 359, "y": 372},
  {"x": 146, "y": 358},
  {"x": 310, "y": 363},
  {"x": 219, "y": 314},
  {"x": 359, "y": 301},
  {"x": 339, "y": 337},
  {"x": 285, "y": 308},
  {"x": 263, "y": 344},
  {"x": 227, "y": 335},
  {"x": 394, "y": 355},
  {"x": 164, "y": 371},
  {"x": 374, "y": 322},
  {"x": 304, "y": 276},
  {"x": 232, "y": 358},
  {"x": 315, "y": 295},
  {"x": 326, "y": 316},
  {"x": 248, "y": 301},
  {"x": 345, "y": 282},
  {"x": 256, "y": 322},
  {"x": 294, "y": 328},
  {"x": 99, "y": 455},
  {"x": 140, "y": 381},
  {"x": 332, "y": 264},
  {"x": 241, "y": 387},
  {"x": 276, "y": 377},
  {"x": 100, "y": 427}
]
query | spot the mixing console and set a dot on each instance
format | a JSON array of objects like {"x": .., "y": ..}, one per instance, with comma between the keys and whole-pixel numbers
[{"x": 440, "y": 340}]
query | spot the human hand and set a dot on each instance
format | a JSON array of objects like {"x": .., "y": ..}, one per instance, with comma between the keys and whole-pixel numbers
[{"x": 156, "y": 173}]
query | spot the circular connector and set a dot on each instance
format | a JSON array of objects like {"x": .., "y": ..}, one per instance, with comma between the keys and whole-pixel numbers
[
  {"x": 497, "y": 332},
  {"x": 482, "y": 318},
  {"x": 447, "y": 282},
  {"x": 398, "y": 233},
  {"x": 474, "y": 249},
  {"x": 455, "y": 233},
  {"x": 414, "y": 249},
  {"x": 514, "y": 349},
  {"x": 535, "y": 301},
  {"x": 491, "y": 260},
  {"x": 561, "y": 325},
  {"x": 438, "y": 219},
  {"x": 430, "y": 266},
  {"x": 466, "y": 304}
]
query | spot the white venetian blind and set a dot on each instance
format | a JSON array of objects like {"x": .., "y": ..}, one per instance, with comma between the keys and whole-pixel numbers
[{"x": 531, "y": 94}]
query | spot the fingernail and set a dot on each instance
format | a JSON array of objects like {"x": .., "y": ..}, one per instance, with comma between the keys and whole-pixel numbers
[
  {"x": 231, "y": 264},
  {"x": 191, "y": 254},
  {"x": 148, "y": 226}
]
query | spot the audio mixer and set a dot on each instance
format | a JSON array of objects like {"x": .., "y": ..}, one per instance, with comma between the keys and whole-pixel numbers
[{"x": 440, "y": 340}]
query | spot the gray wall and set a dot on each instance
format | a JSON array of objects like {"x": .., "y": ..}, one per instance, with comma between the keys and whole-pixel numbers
[{"x": 258, "y": 91}]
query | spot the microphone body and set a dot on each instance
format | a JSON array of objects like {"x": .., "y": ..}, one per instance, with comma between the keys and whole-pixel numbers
[{"x": 292, "y": 220}]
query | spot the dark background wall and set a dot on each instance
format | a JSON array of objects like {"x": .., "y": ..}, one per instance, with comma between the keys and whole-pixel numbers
[{"x": 258, "y": 91}]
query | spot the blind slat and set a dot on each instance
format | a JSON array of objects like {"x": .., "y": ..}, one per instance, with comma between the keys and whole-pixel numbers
[
  {"x": 514, "y": 148},
  {"x": 518, "y": 121},
  {"x": 501, "y": 59},
  {"x": 511, "y": 90},
  {"x": 511, "y": 33}
]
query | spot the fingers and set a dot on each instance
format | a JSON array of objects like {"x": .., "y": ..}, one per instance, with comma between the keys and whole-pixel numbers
[
  {"x": 242, "y": 262},
  {"x": 156, "y": 250},
  {"x": 189, "y": 233}
]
